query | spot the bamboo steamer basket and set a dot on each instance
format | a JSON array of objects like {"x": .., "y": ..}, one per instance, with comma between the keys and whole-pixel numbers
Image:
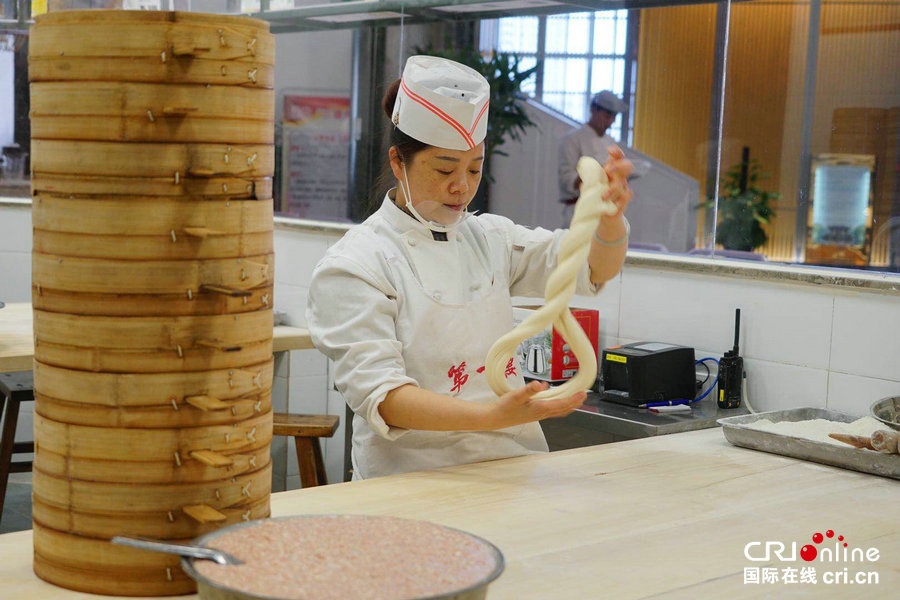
[
  {"x": 117, "y": 16},
  {"x": 103, "y": 497},
  {"x": 176, "y": 444},
  {"x": 231, "y": 276},
  {"x": 120, "y": 159},
  {"x": 133, "y": 100},
  {"x": 247, "y": 73},
  {"x": 96, "y": 566},
  {"x": 227, "y": 187},
  {"x": 180, "y": 414},
  {"x": 156, "y": 389},
  {"x": 152, "y": 344},
  {"x": 149, "y": 215},
  {"x": 168, "y": 127},
  {"x": 116, "y": 111},
  {"x": 86, "y": 552},
  {"x": 152, "y": 281},
  {"x": 222, "y": 332},
  {"x": 197, "y": 244},
  {"x": 152, "y": 472},
  {"x": 151, "y": 228},
  {"x": 149, "y": 361},
  {"x": 135, "y": 305},
  {"x": 172, "y": 524},
  {"x": 163, "y": 36}
]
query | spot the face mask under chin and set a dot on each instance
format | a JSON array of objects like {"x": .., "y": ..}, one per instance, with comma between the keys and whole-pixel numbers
[
  {"x": 433, "y": 215},
  {"x": 438, "y": 213}
]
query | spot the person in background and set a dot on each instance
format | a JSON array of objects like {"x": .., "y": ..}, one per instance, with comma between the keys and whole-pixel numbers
[
  {"x": 590, "y": 139},
  {"x": 408, "y": 303}
]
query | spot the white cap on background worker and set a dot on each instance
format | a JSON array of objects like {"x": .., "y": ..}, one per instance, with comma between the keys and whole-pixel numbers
[{"x": 608, "y": 102}]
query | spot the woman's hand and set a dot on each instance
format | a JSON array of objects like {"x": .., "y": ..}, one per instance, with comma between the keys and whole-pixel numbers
[
  {"x": 617, "y": 168},
  {"x": 517, "y": 407},
  {"x": 610, "y": 242}
]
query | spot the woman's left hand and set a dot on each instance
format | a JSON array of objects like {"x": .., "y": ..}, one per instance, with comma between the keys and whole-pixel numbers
[{"x": 617, "y": 168}]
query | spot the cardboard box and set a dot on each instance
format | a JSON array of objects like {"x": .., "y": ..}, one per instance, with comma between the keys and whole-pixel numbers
[{"x": 547, "y": 356}]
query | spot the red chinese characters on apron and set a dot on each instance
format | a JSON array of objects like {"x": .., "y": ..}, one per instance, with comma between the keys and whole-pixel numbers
[{"x": 444, "y": 349}]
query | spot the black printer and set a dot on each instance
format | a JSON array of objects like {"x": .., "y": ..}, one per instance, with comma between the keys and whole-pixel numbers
[{"x": 643, "y": 372}]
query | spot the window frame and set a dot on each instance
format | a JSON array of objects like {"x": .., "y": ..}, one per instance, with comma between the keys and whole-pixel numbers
[{"x": 489, "y": 40}]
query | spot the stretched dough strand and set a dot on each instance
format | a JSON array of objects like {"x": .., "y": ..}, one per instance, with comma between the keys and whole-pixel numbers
[{"x": 573, "y": 252}]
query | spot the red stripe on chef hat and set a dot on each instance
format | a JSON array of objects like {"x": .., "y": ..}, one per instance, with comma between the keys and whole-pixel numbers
[{"x": 444, "y": 116}]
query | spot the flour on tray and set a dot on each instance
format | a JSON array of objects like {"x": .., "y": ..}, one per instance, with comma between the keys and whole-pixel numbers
[{"x": 817, "y": 430}]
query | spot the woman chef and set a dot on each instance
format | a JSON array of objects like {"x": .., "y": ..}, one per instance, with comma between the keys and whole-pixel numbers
[{"x": 408, "y": 302}]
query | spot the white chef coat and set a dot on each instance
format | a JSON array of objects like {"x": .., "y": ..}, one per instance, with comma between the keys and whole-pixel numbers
[
  {"x": 390, "y": 305},
  {"x": 583, "y": 141}
]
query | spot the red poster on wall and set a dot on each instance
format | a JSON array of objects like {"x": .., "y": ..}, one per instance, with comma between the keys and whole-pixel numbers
[{"x": 315, "y": 156}]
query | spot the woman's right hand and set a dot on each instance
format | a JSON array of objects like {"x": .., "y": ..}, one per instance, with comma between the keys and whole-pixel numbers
[{"x": 517, "y": 407}]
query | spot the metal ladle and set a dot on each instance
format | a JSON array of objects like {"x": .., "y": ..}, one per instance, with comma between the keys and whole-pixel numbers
[{"x": 217, "y": 556}]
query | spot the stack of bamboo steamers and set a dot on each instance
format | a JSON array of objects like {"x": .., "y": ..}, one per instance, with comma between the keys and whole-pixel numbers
[{"x": 152, "y": 288}]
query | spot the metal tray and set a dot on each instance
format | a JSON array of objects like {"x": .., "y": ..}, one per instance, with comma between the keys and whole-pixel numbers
[{"x": 738, "y": 433}]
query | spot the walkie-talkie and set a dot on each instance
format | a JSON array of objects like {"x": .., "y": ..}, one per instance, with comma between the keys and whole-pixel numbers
[{"x": 731, "y": 371}]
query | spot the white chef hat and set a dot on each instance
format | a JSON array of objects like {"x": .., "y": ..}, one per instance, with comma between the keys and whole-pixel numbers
[{"x": 442, "y": 103}]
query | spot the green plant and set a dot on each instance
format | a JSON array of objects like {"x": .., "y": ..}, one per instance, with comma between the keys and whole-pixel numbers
[
  {"x": 507, "y": 118},
  {"x": 743, "y": 207}
]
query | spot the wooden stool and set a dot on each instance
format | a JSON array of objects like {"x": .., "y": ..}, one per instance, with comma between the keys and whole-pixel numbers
[
  {"x": 306, "y": 431},
  {"x": 15, "y": 388}
]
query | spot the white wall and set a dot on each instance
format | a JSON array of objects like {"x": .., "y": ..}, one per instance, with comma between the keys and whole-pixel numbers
[
  {"x": 15, "y": 282},
  {"x": 305, "y": 378},
  {"x": 15, "y": 253},
  {"x": 312, "y": 61}
]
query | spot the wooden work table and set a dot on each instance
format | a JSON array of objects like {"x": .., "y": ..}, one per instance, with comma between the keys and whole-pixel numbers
[
  {"x": 17, "y": 341},
  {"x": 664, "y": 516}
]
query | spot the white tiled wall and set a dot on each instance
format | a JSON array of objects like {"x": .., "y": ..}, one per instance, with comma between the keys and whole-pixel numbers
[
  {"x": 296, "y": 254},
  {"x": 279, "y": 447},
  {"x": 15, "y": 285},
  {"x": 787, "y": 324},
  {"x": 853, "y": 393},
  {"x": 802, "y": 345},
  {"x": 15, "y": 254},
  {"x": 866, "y": 336}
]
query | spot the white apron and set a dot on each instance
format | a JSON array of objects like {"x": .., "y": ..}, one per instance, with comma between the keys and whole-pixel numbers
[{"x": 444, "y": 348}]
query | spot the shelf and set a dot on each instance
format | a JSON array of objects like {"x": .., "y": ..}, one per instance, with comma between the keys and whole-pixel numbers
[{"x": 360, "y": 13}]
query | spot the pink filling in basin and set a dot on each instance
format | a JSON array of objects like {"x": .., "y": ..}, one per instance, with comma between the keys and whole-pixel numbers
[{"x": 339, "y": 557}]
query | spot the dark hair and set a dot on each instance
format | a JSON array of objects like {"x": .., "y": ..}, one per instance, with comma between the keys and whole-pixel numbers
[{"x": 407, "y": 147}]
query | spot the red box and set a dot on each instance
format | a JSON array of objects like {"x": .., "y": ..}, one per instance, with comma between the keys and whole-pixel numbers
[{"x": 546, "y": 356}]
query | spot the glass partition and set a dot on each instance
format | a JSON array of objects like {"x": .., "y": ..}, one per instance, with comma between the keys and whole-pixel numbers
[
  {"x": 662, "y": 64},
  {"x": 812, "y": 107},
  {"x": 761, "y": 130},
  {"x": 783, "y": 116}
]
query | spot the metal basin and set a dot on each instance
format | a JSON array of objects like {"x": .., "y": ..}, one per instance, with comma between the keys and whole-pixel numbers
[
  {"x": 887, "y": 410},
  {"x": 211, "y": 590}
]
